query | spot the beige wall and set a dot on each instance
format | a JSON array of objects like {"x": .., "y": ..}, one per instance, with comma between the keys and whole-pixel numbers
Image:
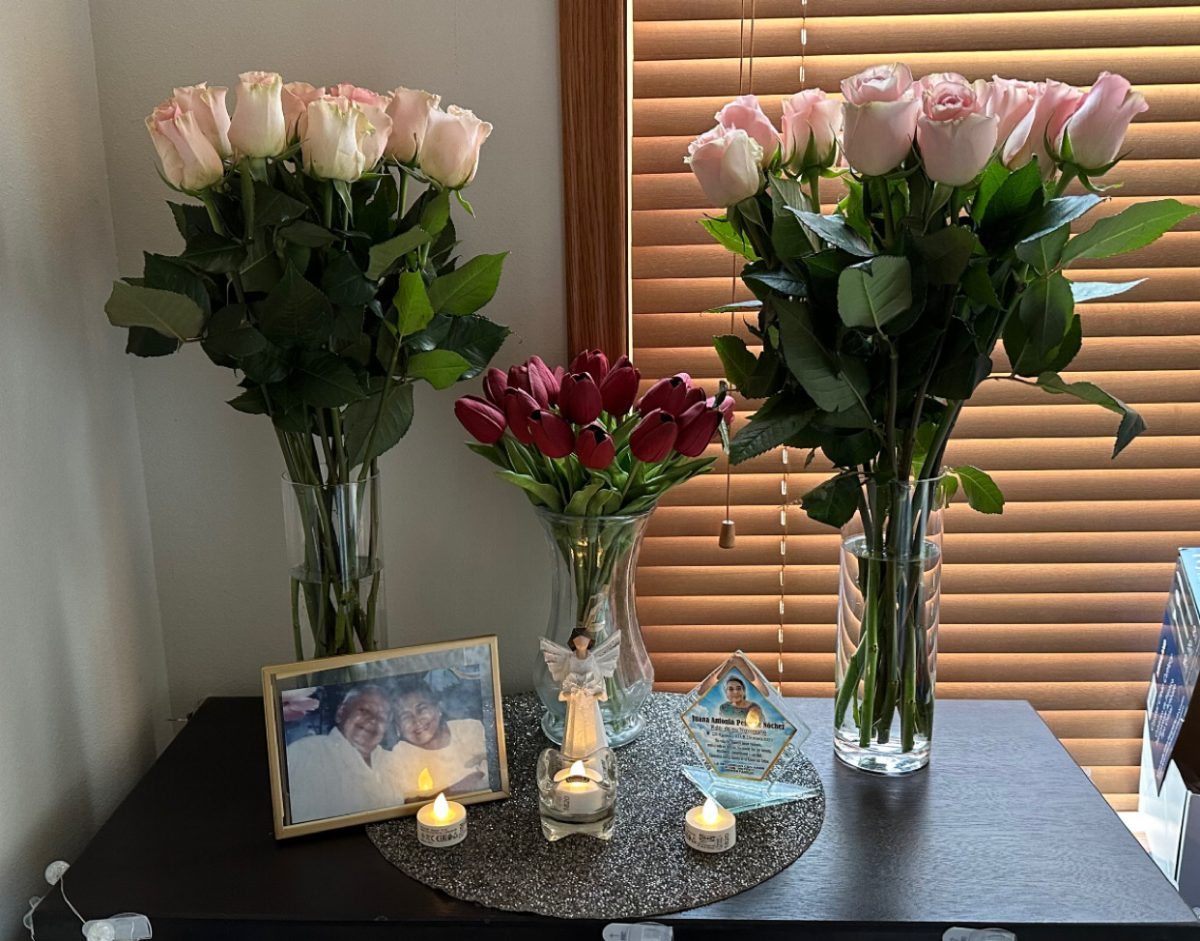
[
  {"x": 463, "y": 554},
  {"x": 83, "y": 699}
]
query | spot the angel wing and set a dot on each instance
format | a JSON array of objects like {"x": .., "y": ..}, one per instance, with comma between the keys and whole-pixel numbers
[
  {"x": 558, "y": 659},
  {"x": 606, "y": 655}
]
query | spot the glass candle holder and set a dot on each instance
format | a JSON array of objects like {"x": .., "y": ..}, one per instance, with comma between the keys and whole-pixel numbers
[{"x": 577, "y": 795}]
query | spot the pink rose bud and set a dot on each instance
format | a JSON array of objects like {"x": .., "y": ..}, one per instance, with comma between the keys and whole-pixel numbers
[
  {"x": 409, "y": 111},
  {"x": 592, "y": 362},
  {"x": 1097, "y": 130},
  {"x": 812, "y": 123},
  {"x": 532, "y": 381},
  {"x": 481, "y": 418},
  {"x": 495, "y": 382},
  {"x": 258, "y": 127},
  {"x": 1045, "y": 121},
  {"x": 696, "y": 428},
  {"x": 668, "y": 394},
  {"x": 297, "y": 96},
  {"x": 725, "y": 406},
  {"x": 551, "y": 433},
  {"x": 955, "y": 136},
  {"x": 595, "y": 448},
  {"x": 745, "y": 114},
  {"x": 879, "y": 115},
  {"x": 619, "y": 388},
  {"x": 579, "y": 398},
  {"x": 726, "y": 165},
  {"x": 338, "y": 141},
  {"x": 189, "y": 159},
  {"x": 654, "y": 436},
  {"x": 1009, "y": 99},
  {"x": 549, "y": 380},
  {"x": 450, "y": 151},
  {"x": 374, "y": 106},
  {"x": 212, "y": 117},
  {"x": 518, "y": 406}
]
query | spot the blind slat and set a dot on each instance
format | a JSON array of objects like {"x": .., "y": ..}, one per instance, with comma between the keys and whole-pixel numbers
[{"x": 648, "y": 10}]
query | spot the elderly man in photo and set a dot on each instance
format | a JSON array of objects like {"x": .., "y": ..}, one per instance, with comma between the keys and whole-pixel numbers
[{"x": 339, "y": 773}]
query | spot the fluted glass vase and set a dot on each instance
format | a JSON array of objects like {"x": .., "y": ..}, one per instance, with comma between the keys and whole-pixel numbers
[
  {"x": 336, "y": 568},
  {"x": 888, "y": 609},
  {"x": 595, "y": 560}
]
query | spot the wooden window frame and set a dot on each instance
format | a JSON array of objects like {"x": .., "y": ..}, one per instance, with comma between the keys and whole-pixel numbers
[{"x": 594, "y": 45}]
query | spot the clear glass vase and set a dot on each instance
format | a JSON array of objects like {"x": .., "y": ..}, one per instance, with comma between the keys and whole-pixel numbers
[
  {"x": 889, "y": 596},
  {"x": 334, "y": 546},
  {"x": 595, "y": 558}
]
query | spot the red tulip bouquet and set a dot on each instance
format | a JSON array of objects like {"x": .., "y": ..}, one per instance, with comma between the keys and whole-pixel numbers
[
  {"x": 595, "y": 459},
  {"x": 874, "y": 323}
]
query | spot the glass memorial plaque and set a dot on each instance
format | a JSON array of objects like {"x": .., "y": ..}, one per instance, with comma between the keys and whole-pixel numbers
[{"x": 746, "y": 734}]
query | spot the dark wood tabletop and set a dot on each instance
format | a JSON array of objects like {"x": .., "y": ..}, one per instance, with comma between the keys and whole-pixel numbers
[{"x": 1002, "y": 829}]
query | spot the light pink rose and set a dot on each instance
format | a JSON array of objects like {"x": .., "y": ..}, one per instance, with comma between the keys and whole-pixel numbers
[
  {"x": 335, "y": 133},
  {"x": 297, "y": 96},
  {"x": 880, "y": 116},
  {"x": 1097, "y": 129},
  {"x": 258, "y": 128},
  {"x": 927, "y": 82},
  {"x": 208, "y": 105},
  {"x": 744, "y": 113},
  {"x": 450, "y": 151},
  {"x": 810, "y": 116},
  {"x": 727, "y": 162},
  {"x": 955, "y": 136},
  {"x": 409, "y": 110},
  {"x": 1009, "y": 99},
  {"x": 189, "y": 159},
  {"x": 374, "y": 106},
  {"x": 1053, "y": 105}
]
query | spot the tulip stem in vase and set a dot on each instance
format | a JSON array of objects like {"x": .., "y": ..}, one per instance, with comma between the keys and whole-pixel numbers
[
  {"x": 308, "y": 273},
  {"x": 878, "y": 321}
]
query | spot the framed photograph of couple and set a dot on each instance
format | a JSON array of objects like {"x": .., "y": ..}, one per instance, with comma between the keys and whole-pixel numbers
[{"x": 371, "y": 736}]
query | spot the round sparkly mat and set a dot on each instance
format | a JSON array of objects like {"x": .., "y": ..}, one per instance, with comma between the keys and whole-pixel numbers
[{"x": 645, "y": 870}]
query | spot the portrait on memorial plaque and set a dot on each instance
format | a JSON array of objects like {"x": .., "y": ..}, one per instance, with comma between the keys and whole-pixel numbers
[{"x": 370, "y": 736}]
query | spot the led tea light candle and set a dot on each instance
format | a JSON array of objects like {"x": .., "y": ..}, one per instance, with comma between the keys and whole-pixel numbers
[
  {"x": 442, "y": 823},
  {"x": 710, "y": 829},
  {"x": 577, "y": 790}
]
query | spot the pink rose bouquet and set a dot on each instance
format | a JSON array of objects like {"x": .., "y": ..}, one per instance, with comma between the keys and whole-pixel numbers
[
  {"x": 579, "y": 441},
  {"x": 876, "y": 321}
]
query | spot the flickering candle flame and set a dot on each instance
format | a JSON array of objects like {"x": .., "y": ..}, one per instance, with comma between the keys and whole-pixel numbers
[
  {"x": 441, "y": 823},
  {"x": 709, "y": 813},
  {"x": 753, "y": 720},
  {"x": 577, "y": 770},
  {"x": 441, "y": 807},
  {"x": 424, "y": 781}
]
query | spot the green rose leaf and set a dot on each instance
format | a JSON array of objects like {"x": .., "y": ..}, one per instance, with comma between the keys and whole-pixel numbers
[
  {"x": 1132, "y": 424},
  {"x": 326, "y": 381},
  {"x": 980, "y": 490},
  {"x": 723, "y": 232},
  {"x": 810, "y": 362},
  {"x": 835, "y": 231},
  {"x": 344, "y": 283},
  {"x": 171, "y": 314},
  {"x": 738, "y": 362},
  {"x": 295, "y": 311},
  {"x": 1044, "y": 253},
  {"x": 440, "y": 368},
  {"x": 214, "y": 253},
  {"x": 307, "y": 234},
  {"x": 413, "y": 309},
  {"x": 386, "y": 254},
  {"x": 1039, "y": 326},
  {"x": 1138, "y": 225},
  {"x": 946, "y": 253},
  {"x": 873, "y": 292},
  {"x": 1058, "y": 213},
  {"x": 394, "y": 422},
  {"x": 772, "y": 425},
  {"x": 466, "y": 289},
  {"x": 272, "y": 207},
  {"x": 834, "y": 502},
  {"x": 146, "y": 342}
]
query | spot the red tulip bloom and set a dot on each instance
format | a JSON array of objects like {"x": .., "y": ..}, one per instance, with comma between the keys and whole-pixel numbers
[
  {"x": 592, "y": 362},
  {"x": 654, "y": 436},
  {"x": 531, "y": 381},
  {"x": 619, "y": 388},
  {"x": 668, "y": 394},
  {"x": 547, "y": 376},
  {"x": 694, "y": 395},
  {"x": 725, "y": 406},
  {"x": 696, "y": 428},
  {"x": 518, "y": 406},
  {"x": 551, "y": 433},
  {"x": 481, "y": 418},
  {"x": 494, "y": 384},
  {"x": 579, "y": 398},
  {"x": 595, "y": 447}
]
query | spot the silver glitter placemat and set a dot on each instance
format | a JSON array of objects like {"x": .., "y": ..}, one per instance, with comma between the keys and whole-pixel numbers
[{"x": 645, "y": 870}]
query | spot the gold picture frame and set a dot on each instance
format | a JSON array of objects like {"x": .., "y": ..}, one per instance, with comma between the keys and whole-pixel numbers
[{"x": 323, "y": 715}]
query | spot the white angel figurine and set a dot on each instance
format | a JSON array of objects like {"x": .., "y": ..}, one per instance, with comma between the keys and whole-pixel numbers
[{"x": 581, "y": 672}]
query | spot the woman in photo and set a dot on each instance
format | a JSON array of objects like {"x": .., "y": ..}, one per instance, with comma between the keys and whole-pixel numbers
[
  {"x": 737, "y": 706},
  {"x": 452, "y": 750}
]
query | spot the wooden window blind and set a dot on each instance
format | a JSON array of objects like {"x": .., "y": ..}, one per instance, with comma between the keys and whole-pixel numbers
[{"x": 1057, "y": 601}]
